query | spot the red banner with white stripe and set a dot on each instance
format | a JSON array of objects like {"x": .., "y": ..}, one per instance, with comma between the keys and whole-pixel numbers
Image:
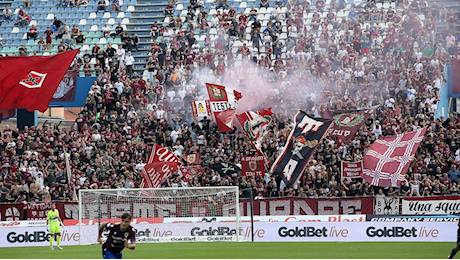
[{"x": 161, "y": 165}]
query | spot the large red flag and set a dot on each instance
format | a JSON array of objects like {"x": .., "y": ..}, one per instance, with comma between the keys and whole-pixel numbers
[
  {"x": 161, "y": 165},
  {"x": 387, "y": 161},
  {"x": 30, "y": 82}
]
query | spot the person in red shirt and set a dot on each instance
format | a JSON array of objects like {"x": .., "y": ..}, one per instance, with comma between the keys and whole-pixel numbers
[
  {"x": 220, "y": 69},
  {"x": 49, "y": 40},
  {"x": 87, "y": 69},
  {"x": 32, "y": 33}
]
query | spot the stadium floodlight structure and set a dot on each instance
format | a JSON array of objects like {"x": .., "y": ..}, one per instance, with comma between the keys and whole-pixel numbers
[{"x": 163, "y": 214}]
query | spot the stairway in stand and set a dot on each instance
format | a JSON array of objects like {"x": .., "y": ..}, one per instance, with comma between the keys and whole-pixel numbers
[{"x": 145, "y": 13}]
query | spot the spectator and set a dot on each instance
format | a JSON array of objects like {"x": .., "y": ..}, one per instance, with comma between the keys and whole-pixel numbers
[
  {"x": 24, "y": 20},
  {"x": 41, "y": 45},
  {"x": 56, "y": 24},
  {"x": 118, "y": 31},
  {"x": 169, "y": 10},
  {"x": 7, "y": 13},
  {"x": 135, "y": 41},
  {"x": 22, "y": 50},
  {"x": 49, "y": 33},
  {"x": 105, "y": 30},
  {"x": 32, "y": 33},
  {"x": 264, "y": 3},
  {"x": 116, "y": 6},
  {"x": 129, "y": 62},
  {"x": 453, "y": 174},
  {"x": 80, "y": 38},
  {"x": 62, "y": 30},
  {"x": 101, "y": 6}
]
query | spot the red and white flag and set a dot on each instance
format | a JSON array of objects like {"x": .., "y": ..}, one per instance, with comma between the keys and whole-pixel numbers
[
  {"x": 223, "y": 103},
  {"x": 201, "y": 108},
  {"x": 30, "y": 82},
  {"x": 161, "y": 165},
  {"x": 190, "y": 172},
  {"x": 255, "y": 125},
  {"x": 351, "y": 169},
  {"x": 387, "y": 161}
]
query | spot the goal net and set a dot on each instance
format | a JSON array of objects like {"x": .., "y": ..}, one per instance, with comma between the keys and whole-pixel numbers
[{"x": 163, "y": 214}]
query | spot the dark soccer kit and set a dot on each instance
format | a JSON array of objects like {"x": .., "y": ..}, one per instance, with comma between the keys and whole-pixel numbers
[{"x": 115, "y": 242}]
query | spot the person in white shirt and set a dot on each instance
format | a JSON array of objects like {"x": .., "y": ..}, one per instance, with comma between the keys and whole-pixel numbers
[
  {"x": 411, "y": 93},
  {"x": 119, "y": 86},
  {"x": 7, "y": 13},
  {"x": 105, "y": 31},
  {"x": 120, "y": 56},
  {"x": 161, "y": 113},
  {"x": 377, "y": 129},
  {"x": 151, "y": 105},
  {"x": 418, "y": 66},
  {"x": 182, "y": 93},
  {"x": 178, "y": 148},
  {"x": 129, "y": 62},
  {"x": 390, "y": 102},
  {"x": 214, "y": 21},
  {"x": 171, "y": 94}
]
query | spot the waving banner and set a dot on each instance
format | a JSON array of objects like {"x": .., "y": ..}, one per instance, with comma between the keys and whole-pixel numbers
[
  {"x": 66, "y": 89},
  {"x": 347, "y": 122},
  {"x": 190, "y": 172},
  {"x": 300, "y": 146},
  {"x": 255, "y": 125},
  {"x": 387, "y": 160},
  {"x": 253, "y": 166},
  {"x": 352, "y": 169},
  {"x": 223, "y": 103},
  {"x": 161, "y": 165}
]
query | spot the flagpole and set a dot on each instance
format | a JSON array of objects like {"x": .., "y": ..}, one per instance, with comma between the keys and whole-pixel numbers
[{"x": 69, "y": 175}]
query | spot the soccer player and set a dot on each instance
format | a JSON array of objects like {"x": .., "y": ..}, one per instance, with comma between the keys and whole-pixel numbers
[
  {"x": 118, "y": 238},
  {"x": 454, "y": 251},
  {"x": 55, "y": 224}
]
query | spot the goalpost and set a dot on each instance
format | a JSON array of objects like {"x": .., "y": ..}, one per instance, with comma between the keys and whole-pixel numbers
[{"x": 163, "y": 214}]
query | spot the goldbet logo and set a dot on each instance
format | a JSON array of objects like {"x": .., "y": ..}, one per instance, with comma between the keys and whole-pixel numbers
[
  {"x": 401, "y": 232},
  {"x": 220, "y": 231},
  {"x": 37, "y": 236},
  {"x": 391, "y": 232},
  {"x": 312, "y": 232}
]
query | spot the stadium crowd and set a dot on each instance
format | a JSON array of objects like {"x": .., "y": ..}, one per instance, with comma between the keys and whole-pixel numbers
[{"x": 391, "y": 57}]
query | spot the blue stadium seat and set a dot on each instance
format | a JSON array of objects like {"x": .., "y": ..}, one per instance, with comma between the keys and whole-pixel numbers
[
  {"x": 85, "y": 15},
  {"x": 124, "y": 8},
  {"x": 53, "y": 10},
  {"x": 79, "y": 16},
  {"x": 100, "y": 15},
  {"x": 50, "y": 4},
  {"x": 128, "y": 15},
  {"x": 64, "y": 16},
  {"x": 72, "y": 16}
]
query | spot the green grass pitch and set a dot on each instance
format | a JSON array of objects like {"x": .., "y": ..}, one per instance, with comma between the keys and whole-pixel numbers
[{"x": 222, "y": 250}]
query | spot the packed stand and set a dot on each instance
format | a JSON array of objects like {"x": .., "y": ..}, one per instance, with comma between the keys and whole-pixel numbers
[{"x": 309, "y": 60}]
